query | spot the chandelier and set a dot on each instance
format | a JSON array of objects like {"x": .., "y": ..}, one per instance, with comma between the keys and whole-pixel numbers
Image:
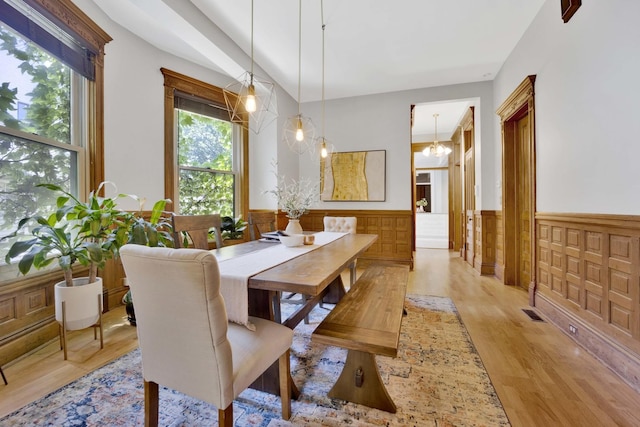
[
  {"x": 251, "y": 100},
  {"x": 299, "y": 131},
  {"x": 436, "y": 149},
  {"x": 324, "y": 146}
]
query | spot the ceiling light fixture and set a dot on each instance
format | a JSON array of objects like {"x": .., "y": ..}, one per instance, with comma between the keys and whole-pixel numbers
[
  {"x": 325, "y": 146},
  {"x": 299, "y": 131},
  {"x": 251, "y": 100},
  {"x": 436, "y": 149}
]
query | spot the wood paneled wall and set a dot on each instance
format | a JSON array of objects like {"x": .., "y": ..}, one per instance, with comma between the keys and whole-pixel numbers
[
  {"x": 589, "y": 277},
  {"x": 485, "y": 242},
  {"x": 393, "y": 227},
  {"x": 27, "y": 313}
]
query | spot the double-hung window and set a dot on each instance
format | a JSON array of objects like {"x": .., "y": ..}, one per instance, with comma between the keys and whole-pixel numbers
[
  {"x": 205, "y": 170},
  {"x": 48, "y": 104}
]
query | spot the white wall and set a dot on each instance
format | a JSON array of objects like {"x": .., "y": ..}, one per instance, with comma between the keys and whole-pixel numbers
[
  {"x": 586, "y": 105},
  {"x": 134, "y": 126},
  {"x": 382, "y": 122},
  {"x": 134, "y": 117}
]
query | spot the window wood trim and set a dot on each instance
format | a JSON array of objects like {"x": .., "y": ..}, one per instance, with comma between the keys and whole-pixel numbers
[
  {"x": 175, "y": 81},
  {"x": 66, "y": 13}
]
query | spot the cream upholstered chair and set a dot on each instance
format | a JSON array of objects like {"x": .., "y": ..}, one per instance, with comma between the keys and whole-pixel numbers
[
  {"x": 343, "y": 224},
  {"x": 197, "y": 227},
  {"x": 261, "y": 222},
  {"x": 186, "y": 342}
]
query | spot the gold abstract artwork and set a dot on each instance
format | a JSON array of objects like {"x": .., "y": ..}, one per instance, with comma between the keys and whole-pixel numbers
[{"x": 353, "y": 176}]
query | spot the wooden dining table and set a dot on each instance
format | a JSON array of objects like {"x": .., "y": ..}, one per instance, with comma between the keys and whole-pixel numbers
[{"x": 314, "y": 274}]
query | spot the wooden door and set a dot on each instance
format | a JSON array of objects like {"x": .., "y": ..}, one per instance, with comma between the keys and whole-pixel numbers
[
  {"x": 523, "y": 203},
  {"x": 517, "y": 117}
]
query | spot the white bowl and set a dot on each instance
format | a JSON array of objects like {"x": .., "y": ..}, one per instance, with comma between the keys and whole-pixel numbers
[{"x": 292, "y": 240}]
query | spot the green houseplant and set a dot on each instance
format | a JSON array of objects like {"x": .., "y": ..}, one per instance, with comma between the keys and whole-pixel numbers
[
  {"x": 80, "y": 232},
  {"x": 233, "y": 228}
]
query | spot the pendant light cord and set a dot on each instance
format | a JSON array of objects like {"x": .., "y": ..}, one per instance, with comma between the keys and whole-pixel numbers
[
  {"x": 299, "y": 49},
  {"x": 323, "y": 26},
  {"x": 251, "y": 42}
]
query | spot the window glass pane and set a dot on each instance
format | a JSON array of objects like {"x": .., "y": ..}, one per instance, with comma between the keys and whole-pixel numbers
[
  {"x": 204, "y": 142},
  {"x": 23, "y": 165},
  {"x": 205, "y": 162},
  {"x": 203, "y": 192},
  {"x": 35, "y": 89}
]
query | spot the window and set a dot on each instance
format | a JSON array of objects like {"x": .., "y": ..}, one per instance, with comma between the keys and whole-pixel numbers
[
  {"x": 207, "y": 157},
  {"x": 206, "y": 169},
  {"x": 50, "y": 107}
]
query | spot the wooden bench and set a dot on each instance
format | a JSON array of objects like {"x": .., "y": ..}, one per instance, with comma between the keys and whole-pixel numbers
[{"x": 366, "y": 321}]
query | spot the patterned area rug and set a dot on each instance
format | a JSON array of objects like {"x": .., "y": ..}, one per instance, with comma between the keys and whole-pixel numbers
[{"x": 437, "y": 380}]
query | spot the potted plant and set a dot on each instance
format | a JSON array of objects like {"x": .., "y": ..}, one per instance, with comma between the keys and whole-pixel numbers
[
  {"x": 86, "y": 233},
  {"x": 155, "y": 231},
  {"x": 422, "y": 203},
  {"x": 233, "y": 228}
]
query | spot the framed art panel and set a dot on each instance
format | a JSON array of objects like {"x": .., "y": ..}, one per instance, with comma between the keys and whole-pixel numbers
[{"x": 357, "y": 176}]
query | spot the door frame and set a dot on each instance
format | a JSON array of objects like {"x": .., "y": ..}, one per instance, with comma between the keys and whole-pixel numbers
[{"x": 518, "y": 105}]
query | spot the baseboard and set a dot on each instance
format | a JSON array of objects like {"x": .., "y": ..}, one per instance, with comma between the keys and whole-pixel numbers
[{"x": 623, "y": 362}]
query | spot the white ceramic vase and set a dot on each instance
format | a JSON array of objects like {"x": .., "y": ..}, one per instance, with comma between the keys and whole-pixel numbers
[
  {"x": 293, "y": 227},
  {"x": 83, "y": 303}
]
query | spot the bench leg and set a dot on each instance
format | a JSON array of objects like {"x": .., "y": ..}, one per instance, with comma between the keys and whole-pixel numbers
[{"x": 360, "y": 382}]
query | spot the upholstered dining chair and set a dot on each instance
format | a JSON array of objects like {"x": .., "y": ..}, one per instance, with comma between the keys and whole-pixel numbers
[
  {"x": 343, "y": 224},
  {"x": 261, "y": 222},
  {"x": 185, "y": 340},
  {"x": 197, "y": 228}
]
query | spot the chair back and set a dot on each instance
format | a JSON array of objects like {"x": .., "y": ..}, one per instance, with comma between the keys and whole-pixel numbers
[
  {"x": 261, "y": 222},
  {"x": 343, "y": 224},
  {"x": 197, "y": 227},
  {"x": 181, "y": 321}
]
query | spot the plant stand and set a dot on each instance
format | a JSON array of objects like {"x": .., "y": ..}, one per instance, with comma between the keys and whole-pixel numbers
[{"x": 79, "y": 307}]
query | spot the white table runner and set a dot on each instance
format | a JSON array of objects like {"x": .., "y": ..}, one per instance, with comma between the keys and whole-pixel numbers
[{"x": 235, "y": 273}]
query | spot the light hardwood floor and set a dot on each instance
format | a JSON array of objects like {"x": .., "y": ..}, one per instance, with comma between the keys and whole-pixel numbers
[{"x": 542, "y": 377}]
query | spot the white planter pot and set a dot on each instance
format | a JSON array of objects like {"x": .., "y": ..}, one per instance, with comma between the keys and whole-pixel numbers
[{"x": 83, "y": 303}]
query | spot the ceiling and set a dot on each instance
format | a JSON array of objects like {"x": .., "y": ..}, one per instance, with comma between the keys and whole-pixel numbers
[{"x": 371, "y": 46}]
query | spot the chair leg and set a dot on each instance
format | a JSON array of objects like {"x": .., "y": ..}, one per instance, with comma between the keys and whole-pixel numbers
[
  {"x": 285, "y": 385},
  {"x": 151, "y": 404},
  {"x": 225, "y": 416},
  {"x": 3, "y": 377}
]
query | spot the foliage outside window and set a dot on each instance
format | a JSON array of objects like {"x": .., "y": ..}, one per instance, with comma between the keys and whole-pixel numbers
[
  {"x": 207, "y": 176},
  {"x": 40, "y": 130}
]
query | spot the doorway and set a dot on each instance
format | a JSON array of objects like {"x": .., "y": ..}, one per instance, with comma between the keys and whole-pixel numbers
[
  {"x": 432, "y": 207},
  {"x": 518, "y": 187}
]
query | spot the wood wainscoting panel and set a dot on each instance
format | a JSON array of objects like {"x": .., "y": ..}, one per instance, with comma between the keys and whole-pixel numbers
[
  {"x": 485, "y": 242},
  {"x": 27, "y": 318},
  {"x": 589, "y": 274},
  {"x": 499, "y": 246}
]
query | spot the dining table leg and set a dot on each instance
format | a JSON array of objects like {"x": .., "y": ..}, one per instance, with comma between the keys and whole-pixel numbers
[{"x": 262, "y": 304}]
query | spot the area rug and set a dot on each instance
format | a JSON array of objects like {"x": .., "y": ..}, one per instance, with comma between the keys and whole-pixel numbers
[{"x": 437, "y": 380}]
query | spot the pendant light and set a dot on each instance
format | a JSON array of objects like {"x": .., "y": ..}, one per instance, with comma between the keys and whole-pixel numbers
[
  {"x": 323, "y": 146},
  {"x": 436, "y": 149},
  {"x": 299, "y": 131},
  {"x": 251, "y": 100}
]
